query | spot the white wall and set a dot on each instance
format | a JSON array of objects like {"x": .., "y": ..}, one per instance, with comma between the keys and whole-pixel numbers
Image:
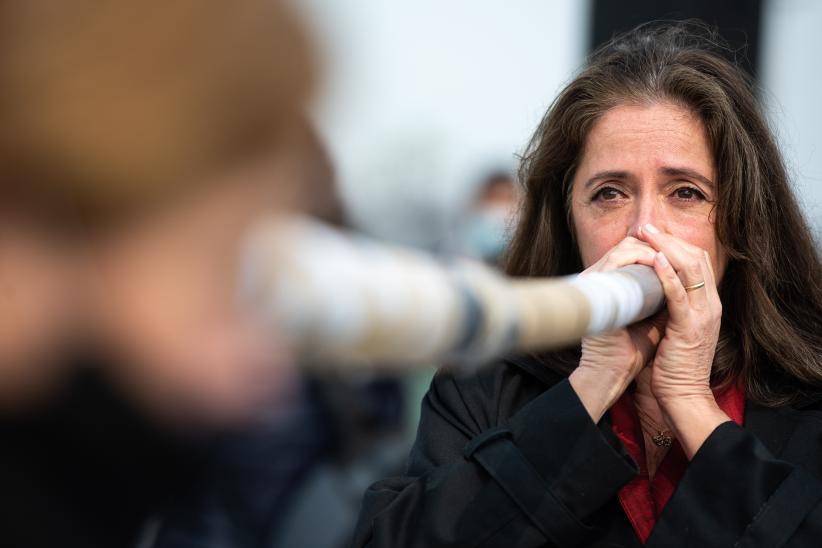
[
  {"x": 792, "y": 77},
  {"x": 423, "y": 95}
]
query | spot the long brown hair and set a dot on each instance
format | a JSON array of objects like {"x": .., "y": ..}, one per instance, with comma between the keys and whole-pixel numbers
[{"x": 771, "y": 335}]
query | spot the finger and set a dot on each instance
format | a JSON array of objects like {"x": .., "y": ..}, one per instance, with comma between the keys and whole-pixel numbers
[
  {"x": 710, "y": 265},
  {"x": 626, "y": 256},
  {"x": 711, "y": 273},
  {"x": 710, "y": 282},
  {"x": 702, "y": 298},
  {"x": 686, "y": 259},
  {"x": 710, "y": 277},
  {"x": 626, "y": 252},
  {"x": 677, "y": 251},
  {"x": 647, "y": 334},
  {"x": 677, "y": 298}
]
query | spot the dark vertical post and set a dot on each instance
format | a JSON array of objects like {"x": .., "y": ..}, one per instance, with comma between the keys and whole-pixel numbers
[{"x": 738, "y": 21}]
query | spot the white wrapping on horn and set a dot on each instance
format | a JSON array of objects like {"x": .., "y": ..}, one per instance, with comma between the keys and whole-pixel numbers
[
  {"x": 346, "y": 298},
  {"x": 620, "y": 297}
]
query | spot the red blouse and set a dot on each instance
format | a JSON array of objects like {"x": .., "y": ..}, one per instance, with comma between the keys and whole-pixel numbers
[{"x": 643, "y": 499}]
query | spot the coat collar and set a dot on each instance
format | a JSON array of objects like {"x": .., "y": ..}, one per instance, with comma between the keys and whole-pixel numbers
[{"x": 773, "y": 426}]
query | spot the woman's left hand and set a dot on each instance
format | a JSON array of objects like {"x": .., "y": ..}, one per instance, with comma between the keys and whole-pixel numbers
[{"x": 680, "y": 379}]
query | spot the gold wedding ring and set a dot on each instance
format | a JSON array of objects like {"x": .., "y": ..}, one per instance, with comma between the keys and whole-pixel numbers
[{"x": 695, "y": 286}]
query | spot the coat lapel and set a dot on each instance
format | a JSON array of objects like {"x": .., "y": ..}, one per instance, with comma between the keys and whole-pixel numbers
[{"x": 773, "y": 427}]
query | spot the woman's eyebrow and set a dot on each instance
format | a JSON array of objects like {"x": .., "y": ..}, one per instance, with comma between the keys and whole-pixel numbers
[
  {"x": 605, "y": 175},
  {"x": 686, "y": 172},
  {"x": 666, "y": 170}
]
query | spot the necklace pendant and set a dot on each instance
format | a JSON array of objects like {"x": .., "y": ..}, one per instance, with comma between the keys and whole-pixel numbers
[{"x": 661, "y": 440}]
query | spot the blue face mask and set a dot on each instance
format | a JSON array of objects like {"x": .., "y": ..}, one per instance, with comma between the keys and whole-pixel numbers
[{"x": 485, "y": 234}]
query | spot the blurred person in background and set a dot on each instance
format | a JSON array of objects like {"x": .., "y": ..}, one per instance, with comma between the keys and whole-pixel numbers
[
  {"x": 139, "y": 141},
  {"x": 272, "y": 478},
  {"x": 699, "y": 426},
  {"x": 484, "y": 229}
]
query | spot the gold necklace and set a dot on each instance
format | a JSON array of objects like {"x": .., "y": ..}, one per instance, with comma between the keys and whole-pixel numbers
[
  {"x": 663, "y": 437},
  {"x": 662, "y": 440}
]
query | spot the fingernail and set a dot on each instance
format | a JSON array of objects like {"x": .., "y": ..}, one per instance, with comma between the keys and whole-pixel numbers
[
  {"x": 663, "y": 260},
  {"x": 651, "y": 228}
]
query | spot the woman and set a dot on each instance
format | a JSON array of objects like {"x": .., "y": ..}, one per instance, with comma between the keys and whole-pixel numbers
[{"x": 701, "y": 426}]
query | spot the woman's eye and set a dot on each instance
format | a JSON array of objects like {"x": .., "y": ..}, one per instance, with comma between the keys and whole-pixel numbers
[
  {"x": 607, "y": 194},
  {"x": 688, "y": 193}
]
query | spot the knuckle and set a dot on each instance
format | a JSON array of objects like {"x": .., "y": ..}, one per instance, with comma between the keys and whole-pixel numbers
[
  {"x": 679, "y": 298},
  {"x": 694, "y": 265}
]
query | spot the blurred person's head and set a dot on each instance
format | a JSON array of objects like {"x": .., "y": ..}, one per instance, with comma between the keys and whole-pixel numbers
[
  {"x": 677, "y": 77},
  {"x": 113, "y": 107},
  {"x": 484, "y": 228},
  {"x": 140, "y": 138}
]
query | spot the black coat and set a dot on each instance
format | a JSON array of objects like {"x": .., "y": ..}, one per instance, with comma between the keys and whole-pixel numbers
[{"x": 510, "y": 458}]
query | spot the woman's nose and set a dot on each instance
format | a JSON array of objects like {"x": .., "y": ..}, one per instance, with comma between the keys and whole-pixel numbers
[{"x": 645, "y": 212}]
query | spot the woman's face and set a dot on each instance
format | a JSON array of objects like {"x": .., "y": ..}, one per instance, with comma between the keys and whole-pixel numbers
[{"x": 645, "y": 164}]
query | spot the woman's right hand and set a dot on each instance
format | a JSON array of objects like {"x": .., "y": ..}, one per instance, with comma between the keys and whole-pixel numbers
[{"x": 610, "y": 361}]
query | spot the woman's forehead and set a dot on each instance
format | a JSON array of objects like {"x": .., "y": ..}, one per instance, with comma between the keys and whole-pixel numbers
[{"x": 654, "y": 137}]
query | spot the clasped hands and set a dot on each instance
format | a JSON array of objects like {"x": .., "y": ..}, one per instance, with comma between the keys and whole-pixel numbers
[{"x": 678, "y": 344}]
